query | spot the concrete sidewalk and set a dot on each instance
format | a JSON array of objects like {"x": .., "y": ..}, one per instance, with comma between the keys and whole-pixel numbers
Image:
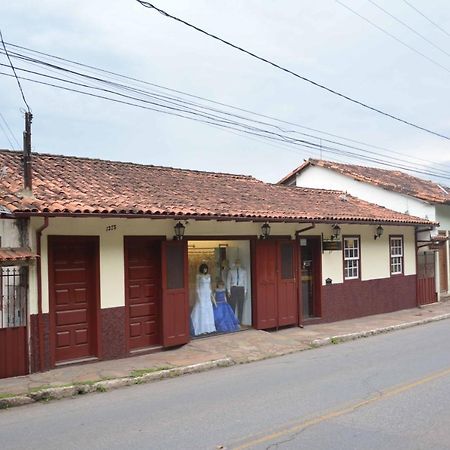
[{"x": 204, "y": 354}]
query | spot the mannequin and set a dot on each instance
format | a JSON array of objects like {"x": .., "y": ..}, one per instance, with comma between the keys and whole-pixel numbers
[
  {"x": 224, "y": 317},
  {"x": 202, "y": 315},
  {"x": 237, "y": 288}
]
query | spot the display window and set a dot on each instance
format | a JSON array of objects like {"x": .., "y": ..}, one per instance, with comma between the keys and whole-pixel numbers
[{"x": 220, "y": 294}]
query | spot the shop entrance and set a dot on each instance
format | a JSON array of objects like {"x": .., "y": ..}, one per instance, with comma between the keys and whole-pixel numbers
[
  {"x": 143, "y": 291},
  {"x": 74, "y": 296},
  {"x": 310, "y": 274},
  {"x": 220, "y": 288},
  {"x": 276, "y": 283}
]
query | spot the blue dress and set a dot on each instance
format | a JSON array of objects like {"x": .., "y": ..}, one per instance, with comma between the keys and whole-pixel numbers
[{"x": 224, "y": 317}]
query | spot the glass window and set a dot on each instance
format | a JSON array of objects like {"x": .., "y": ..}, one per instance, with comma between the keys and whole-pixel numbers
[
  {"x": 219, "y": 286},
  {"x": 396, "y": 251},
  {"x": 175, "y": 267},
  {"x": 287, "y": 261},
  {"x": 351, "y": 258}
]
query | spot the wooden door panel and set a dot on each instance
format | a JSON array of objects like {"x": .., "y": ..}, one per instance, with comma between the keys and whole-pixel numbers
[
  {"x": 73, "y": 297},
  {"x": 143, "y": 291},
  {"x": 287, "y": 283},
  {"x": 266, "y": 285},
  {"x": 175, "y": 293}
]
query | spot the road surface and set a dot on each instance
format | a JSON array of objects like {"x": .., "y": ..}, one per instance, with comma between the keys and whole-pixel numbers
[{"x": 389, "y": 391}]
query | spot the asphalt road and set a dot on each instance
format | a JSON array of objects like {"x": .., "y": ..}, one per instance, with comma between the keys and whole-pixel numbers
[{"x": 386, "y": 392}]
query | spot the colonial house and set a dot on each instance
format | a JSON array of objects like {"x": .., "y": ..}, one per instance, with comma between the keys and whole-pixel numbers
[
  {"x": 106, "y": 259},
  {"x": 398, "y": 191}
]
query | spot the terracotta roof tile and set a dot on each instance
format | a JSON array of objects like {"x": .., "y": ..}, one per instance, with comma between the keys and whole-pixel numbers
[
  {"x": 72, "y": 185},
  {"x": 392, "y": 180},
  {"x": 15, "y": 254}
]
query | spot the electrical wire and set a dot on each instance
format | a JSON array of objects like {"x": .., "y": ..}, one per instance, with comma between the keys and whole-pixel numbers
[
  {"x": 137, "y": 81},
  {"x": 392, "y": 36},
  {"x": 409, "y": 27},
  {"x": 12, "y": 67},
  {"x": 215, "y": 117},
  {"x": 277, "y": 137},
  {"x": 427, "y": 18},
  {"x": 301, "y": 77},
  {"x": 6, "y": 135},
  {"x": 220, "y": 118},
  {"x": 9, "y": 129}
]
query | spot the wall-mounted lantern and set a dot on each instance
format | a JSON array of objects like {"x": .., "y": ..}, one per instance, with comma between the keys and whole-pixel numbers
[
  {"x": 379, "y": 232},
  {"x": 336, "y": 232},
  {"x": 265, "y": 231},
  {"x": 179, "y": 231}
]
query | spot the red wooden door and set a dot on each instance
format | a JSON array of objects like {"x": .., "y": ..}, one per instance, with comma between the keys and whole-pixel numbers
[
  {"x": 13, "y": 352},
  {"x": 175, "y": 304},
  {"x": 73, "y": 296},
  {"x": 143, "y": 291},
  {"x": 266, "y": 308},
  {"x": 287, "y": 283}
]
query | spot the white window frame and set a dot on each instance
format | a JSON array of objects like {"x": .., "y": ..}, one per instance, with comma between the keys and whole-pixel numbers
[
  {"x": 396, "y": 255},
  {"x": 352, "y": 258}
]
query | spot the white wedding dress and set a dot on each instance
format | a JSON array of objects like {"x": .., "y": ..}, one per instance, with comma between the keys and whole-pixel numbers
[{"x": 202, "y": 315}]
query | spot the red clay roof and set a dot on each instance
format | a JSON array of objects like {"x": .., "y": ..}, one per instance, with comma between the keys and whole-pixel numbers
[
  {"x": 393, "y": 180},
  {"x": 72, "y": 185},
  {"x": 15, "y": 254}
]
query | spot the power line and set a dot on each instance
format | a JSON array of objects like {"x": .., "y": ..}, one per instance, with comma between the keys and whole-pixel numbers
[
  {"x": 427, "y": 18},
  {"x": 14, "y": 70},
  {"x": 284, "y": 69},
  {"x": 165, "y": 88},
  {"x": 392, "y": 36},
  {"x": 9, "y": 129},
  {"x": 409, "y": 27},
  {"x": 6, "y": 135},
  {"x": 214, "y": 117},
  {"x": 277, "y": 137}
]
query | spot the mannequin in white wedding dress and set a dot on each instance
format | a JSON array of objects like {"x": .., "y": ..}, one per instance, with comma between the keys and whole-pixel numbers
[{"x": 202, "y": 315}]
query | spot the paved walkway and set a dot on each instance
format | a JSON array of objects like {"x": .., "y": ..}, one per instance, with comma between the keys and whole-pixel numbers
[{"x": 205, "y": 353}]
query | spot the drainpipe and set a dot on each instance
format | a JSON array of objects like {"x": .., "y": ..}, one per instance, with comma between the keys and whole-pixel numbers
[{"x": 39, "y": 292}]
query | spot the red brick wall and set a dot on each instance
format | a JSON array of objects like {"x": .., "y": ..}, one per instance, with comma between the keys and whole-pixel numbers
[
  {"x": 34, "y": 343},
  {"x": 357, "y": 298},
  {"x": 112, "y": 333}
]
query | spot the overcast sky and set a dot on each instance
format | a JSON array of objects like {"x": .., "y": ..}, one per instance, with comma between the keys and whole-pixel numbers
[{"x": 319, "y": 39}]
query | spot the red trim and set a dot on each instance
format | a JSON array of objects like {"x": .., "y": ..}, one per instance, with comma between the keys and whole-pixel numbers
[
  {"x": 351, "y": 236},
  {"x": 396, "y": 236},
  {"x": 220, "y": 238},
  {"x": 256, "y": 219}
]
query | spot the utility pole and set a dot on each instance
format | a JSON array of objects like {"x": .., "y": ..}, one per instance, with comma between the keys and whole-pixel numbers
[{"x": 27, "y": 174}]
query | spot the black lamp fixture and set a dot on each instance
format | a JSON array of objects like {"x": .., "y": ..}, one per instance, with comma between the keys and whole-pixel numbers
[
  {"x": 379, "y": 232},
  {"x": 179, "y": 231},
  {"x": 336, "y": 233},
  {"x": 265, "y": 231}
]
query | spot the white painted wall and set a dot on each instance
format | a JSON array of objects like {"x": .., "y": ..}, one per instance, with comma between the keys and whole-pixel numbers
[
  {"x": 374, "y": 254},
  {"x": 443, "y": 216},
  {"x": 9, "y": 233},
  {"x": 323, "y": 178}
]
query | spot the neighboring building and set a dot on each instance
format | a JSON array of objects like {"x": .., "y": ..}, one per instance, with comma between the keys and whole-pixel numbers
[
  {"x": 108, "y": 279},
  {"x": 398, "y": 191}
]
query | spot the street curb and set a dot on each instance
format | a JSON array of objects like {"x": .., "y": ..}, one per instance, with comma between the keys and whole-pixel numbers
[
  {"x": 71, "y": 391},
  {"x": 60, "y": 392},
  {"x": 362, "y": 334}
]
